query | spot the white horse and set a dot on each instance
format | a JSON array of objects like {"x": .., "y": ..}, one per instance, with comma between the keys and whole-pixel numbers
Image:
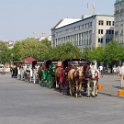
[{"x": 92, "y": 82}]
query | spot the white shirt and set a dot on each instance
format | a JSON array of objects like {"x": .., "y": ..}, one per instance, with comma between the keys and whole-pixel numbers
[
  {"x": 31, "y": 72},
  {"x": 19, "y": 71},
  {"x": 100, "y": 68}
]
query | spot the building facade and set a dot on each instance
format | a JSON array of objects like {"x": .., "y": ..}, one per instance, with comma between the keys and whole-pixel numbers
[
  {"x": 93, "y": 31},
  {"x": 119, "y": 21}
]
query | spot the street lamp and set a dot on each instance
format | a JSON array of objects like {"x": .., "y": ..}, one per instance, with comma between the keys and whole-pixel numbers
[
  {"x": 0, "y": 56},
  {"x": 12, "y": 55}
]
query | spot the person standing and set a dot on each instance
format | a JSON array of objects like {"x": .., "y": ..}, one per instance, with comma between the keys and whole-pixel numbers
[
  {"x": 22, "y": 73},
  {"x": 101, "y": 70},
  {"x": 40, "y": 73},
  {"x": 31, "y": 74},
  {"x": 19, "y": 72},
  {"x": 122, "y": 76}
]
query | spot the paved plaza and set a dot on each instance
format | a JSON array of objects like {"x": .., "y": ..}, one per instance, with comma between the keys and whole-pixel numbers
[
  {"x": 26, "y": 103},
  {"x": 111, "y": 85}
]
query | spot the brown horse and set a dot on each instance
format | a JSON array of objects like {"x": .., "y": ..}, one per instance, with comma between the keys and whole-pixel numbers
[
  {"x": 75, "y": 77},
  {"x": 58, "y": 76}
]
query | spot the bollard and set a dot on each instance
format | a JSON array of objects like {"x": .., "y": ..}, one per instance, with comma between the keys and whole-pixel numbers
[
  {"x": 99, "y": 87},
  {"x": 120, "y": 93}
]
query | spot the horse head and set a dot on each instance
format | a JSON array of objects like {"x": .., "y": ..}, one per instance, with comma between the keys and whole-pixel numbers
[
  {"x": 94, "y": 74},
  {"x": 80, "y": 72}
]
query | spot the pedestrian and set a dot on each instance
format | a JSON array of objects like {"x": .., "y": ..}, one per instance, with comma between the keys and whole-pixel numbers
[
  {"x": 40, "y": 73},
  {"x": 122, "y": 76},
  {"x": 114, "y": 71},
  {"x": 19, "y": 72},
  {"x": 101, "y": 70},
  {"x": 22, "y": 73}
]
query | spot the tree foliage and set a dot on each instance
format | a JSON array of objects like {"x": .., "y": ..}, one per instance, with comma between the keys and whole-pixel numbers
[
  {"x": 67, "y": 50},
  {"x": 4, "y": 53},
  {"x": 113, "y": 52},
  {"x": 31, "y": 47},
  {"x": 97, "y": 54},
  {"x": 86, "y": 53},
  {"x": 42, "y": 50}
]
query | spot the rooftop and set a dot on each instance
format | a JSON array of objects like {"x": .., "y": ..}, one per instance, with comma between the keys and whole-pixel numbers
[
  {"x": 66, "y": 21},
  {"x": 62, "y": 23}
]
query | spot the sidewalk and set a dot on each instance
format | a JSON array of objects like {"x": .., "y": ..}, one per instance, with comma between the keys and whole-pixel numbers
[{"x": 111, "y": 85}]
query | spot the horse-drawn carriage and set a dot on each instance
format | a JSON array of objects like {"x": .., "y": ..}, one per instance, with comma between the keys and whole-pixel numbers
[
  {"x": 75, "y": 76},
  {"x": 46, "y": 74},
  {"x": 28, "y": 70},
  {"x": 61, "y": 73},
  {"x": 71, "y": 76}
]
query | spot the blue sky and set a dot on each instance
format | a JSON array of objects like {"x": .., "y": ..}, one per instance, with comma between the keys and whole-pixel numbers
[{"x": 20, "y": 18}]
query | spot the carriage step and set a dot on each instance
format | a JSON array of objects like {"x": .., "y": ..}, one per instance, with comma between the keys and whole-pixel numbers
[
  {"x": 120, "y": 93},
  {"x": 99, "y": 87}
]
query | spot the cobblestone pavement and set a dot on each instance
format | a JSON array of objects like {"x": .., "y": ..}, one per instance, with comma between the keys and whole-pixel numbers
[{"x": 26, "y": 103}]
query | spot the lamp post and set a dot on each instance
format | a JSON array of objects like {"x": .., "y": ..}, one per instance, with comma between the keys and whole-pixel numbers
[
  {"x": 12, "y": 55},
  {"x": 0, "y": 56}
]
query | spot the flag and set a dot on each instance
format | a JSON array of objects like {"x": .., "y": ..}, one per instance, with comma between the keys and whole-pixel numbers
[
  {"x": 87, "y": 6},
  {"x": 93, "y": 8}
]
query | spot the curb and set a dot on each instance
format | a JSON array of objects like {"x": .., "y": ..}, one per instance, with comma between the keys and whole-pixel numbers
[{"x": 107, "y": 94}]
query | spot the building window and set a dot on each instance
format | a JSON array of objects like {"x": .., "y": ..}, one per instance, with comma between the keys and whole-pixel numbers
[
  {"x": 100, "y": 31},
  {"x": 108, "y": 23},
  {"x": 113, "y": 23},
  {"x": 116, "y": 33},
  {"x": 121, "y": 33},
  {"x": 100, "y": 40},
  {"x": 112, "y": 31},
  {"x": 108, "y": 40},
  {"x": 101, "y": 22},
  {"x": 90, "y": 24},
  {"x": 109, "y": 31}
]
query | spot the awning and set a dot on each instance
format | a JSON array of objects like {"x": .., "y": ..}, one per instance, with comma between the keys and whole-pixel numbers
[{"x": 29, "y": 60}]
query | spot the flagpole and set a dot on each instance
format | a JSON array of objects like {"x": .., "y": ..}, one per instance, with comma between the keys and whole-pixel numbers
[
  {"x": 93, "y": 9},
  {"x": 87, "y": 8}
]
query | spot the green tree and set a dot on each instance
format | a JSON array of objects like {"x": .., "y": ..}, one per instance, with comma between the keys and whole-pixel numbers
[
  {"x": 4, "y": 53},
  {"x": 113, "y": 52},
  {"x": 86, "y": 54},
  {"x": 46, "y": 42},
  {"x": 67, "y": 50},
  {"x": 97, "y": 54},
  {"x": 47, "y": 49},
  {"x": 32, "y": 47},
  {"x": 17, "y": 51}
]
